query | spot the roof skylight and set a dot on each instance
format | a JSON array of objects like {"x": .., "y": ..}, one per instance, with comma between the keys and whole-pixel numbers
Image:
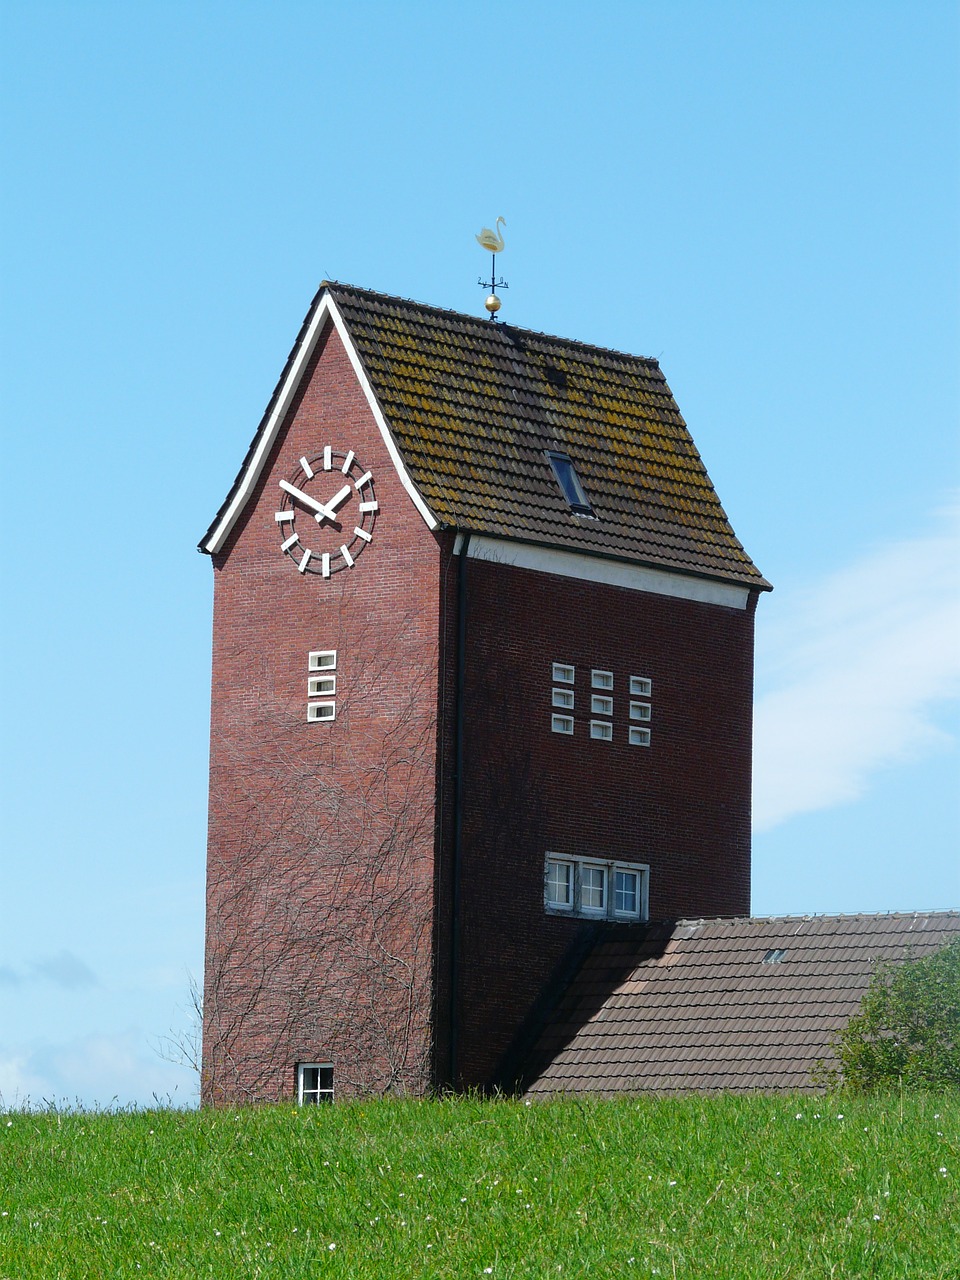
[{"x": 569, "y": 482}]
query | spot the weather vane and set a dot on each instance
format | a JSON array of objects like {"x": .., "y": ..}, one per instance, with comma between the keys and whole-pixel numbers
[{"x": 492, "y": 240}]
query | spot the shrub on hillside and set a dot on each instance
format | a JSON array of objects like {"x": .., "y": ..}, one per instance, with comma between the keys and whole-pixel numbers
[{"x": 908, "y": 1027}]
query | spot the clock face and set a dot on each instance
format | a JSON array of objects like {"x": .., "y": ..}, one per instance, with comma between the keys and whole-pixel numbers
[{"x": 327, "y": 512}]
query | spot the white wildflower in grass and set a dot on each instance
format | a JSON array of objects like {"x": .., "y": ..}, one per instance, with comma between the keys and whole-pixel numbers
[
  {"x": 799, "y": 1115},
  {"x": 943, "y": 1170},
  {"x": 876, "y": 1217},
  {"x": 331, "y": 1247},
  {"x": 672, "y": 1182}
]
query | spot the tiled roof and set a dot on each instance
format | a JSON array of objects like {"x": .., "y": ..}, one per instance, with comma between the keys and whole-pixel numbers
[
  {"x": 473, "y": 405},
  {"x": 696, "y": 1006}
]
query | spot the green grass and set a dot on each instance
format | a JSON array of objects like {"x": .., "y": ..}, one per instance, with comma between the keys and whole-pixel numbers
[{"x": 765, "y": 1187}]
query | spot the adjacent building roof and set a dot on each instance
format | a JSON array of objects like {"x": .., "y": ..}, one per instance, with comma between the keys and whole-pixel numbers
[
  {"x": 732, "y": 1004},
  {"x": 475, "y": 407}
]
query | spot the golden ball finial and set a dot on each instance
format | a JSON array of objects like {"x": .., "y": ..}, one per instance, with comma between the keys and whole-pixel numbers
[{"x": 492, "y": 304}]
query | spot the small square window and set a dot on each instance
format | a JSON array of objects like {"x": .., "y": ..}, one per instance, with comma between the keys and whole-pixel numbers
[
  {"x": 314, "y": 1083},
  {"x": 602, "y": 729},
  {"x": 563, "y": 698},
  {"x": 639, "y": 737},
  {"x": 562, "y": 724},
  {"x": 319, "y": 686},
  {"x": 321, "y": 711},
  {"x": 559, "y": 885},
  {"x": 601, "y": 705},
  {"x": 601, "y": 679},
  {"x": 562, "y": 673},
  {"x": 593, "y": 888},
  {"x": 639, "y": 710},
  {"x": 642, "y": 686},
  {"x": 323, "y": 660}
]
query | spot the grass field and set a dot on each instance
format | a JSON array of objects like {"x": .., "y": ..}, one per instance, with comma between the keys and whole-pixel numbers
[{"x": 765, "y": 1187}]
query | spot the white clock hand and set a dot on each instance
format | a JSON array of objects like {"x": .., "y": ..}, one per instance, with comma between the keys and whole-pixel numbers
[
  {"x": 335, "y": 501},
  {"x": 318, "y": 507}
]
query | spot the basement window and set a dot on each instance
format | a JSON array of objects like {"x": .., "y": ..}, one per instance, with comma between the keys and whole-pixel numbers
[
  {"x": 314, "y": 1083},
  {"x": 595, "y": 888},
  {"x": 569, "y": 482}
]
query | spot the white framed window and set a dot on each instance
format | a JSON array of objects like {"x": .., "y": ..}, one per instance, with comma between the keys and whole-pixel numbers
[
  {"x": 601, "y": 729},
  {"x": 639, "y": 710},
  {"x": 641, "y": 686},
  {"x": 563, "y": 698},
  {"x": 561, "y": 724},
  {"x": 322, "y": 660},
  {"x": 563, "y": 673},
  {"x": 558, "y": 886},
  {"x": 595, "y": 888},
  {"x": 601, "y": 679},
  {"x": 321, "y": 711},
  {"x": 321, "y": 686},
  {"x": 314, "y": 1083},
  {"x": 639, "y": 737},
  {"x": 601, "y": 705}
]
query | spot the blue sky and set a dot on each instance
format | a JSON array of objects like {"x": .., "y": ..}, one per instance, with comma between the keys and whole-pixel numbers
[{"x": 765, "y": 197}]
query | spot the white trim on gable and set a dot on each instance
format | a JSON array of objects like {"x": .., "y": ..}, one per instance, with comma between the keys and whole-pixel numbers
[
  {"x": 327, "y": 311},
  {"x": 615, "y": 573}
]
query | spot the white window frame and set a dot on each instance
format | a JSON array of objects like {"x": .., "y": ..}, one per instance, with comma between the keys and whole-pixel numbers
[
  {"x": 552, "y": 904},
  {"x": 610, "y": 868},
  {"x": 640, "y": 711},
  {"x": 600, "y": 679},
  {"x": 564, "y": 673},
  {"x": 601, "y": 730},
  {"x": 322, "y": 660},
  {"x": 641, "y": 687},
  {"x": 561, "y": 724},
  {"x": 321, "y": 686},
  {"x": 638, "y": 737},
  {"x": 324, "y": 1094},
  {"x": 601, "y": 704},
  {"x": 563, "y": 698},
  {"x": 315, "y": 712}
]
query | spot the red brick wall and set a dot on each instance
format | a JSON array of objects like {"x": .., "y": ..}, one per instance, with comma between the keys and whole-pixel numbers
[
  {"x": 320, "y": 863},
  {"x": 682, "y": 806}
]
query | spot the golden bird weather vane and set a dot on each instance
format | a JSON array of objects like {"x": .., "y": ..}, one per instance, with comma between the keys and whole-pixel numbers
[{"x": 492, "y": 240}]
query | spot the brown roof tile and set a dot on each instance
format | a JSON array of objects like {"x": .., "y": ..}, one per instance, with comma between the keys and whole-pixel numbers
[{"x": 708, "y": 1013}]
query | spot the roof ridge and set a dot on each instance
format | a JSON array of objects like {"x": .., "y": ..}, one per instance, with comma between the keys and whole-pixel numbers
[
  {"x": 484, "y": 322},
  {"x": 819, "y": 915}
]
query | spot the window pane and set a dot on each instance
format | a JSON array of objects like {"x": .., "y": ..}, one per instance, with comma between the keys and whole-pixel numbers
[
  {"x": 559, "y": 884},
  {"x": 593, "y": 888},
  {"x": 625, "y": 892}
]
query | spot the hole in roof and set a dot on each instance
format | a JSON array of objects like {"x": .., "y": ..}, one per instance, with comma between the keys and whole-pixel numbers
[
  {"x": 556, "y": 377},
  {"x": 569, "y": 482},
  {"x": 775, "y": 956}
]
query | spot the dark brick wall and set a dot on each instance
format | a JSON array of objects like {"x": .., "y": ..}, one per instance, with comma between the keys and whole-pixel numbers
[
  {"x": 321, "y": 836},
  {"x": 682, "y": 806}
]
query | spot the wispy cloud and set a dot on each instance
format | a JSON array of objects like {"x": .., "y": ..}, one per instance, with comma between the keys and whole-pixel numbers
[
  {"x": 64, "y": 970},
  {"x": 853, "y": 671}
]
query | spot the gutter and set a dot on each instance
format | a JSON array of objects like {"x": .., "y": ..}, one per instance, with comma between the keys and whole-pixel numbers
[{"x": 461, "y": 644}]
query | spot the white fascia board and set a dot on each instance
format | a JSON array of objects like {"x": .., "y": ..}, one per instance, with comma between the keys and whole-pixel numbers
[
  {"x": 326, "y": 311},
  {"x": 614, "y": 573}
]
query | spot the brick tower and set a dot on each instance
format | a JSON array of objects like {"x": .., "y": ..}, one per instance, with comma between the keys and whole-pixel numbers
[{"x": 482, "y": 690}]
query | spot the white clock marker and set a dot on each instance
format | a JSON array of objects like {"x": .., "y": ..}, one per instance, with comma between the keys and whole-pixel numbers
[
  {"x": 362, "y": 533},
  {"x": 306, "y": 468},
  {"x": 348, "y": 461},
  {"x": 302, "y": 566},
  {"x": 369, "y": 506},
  {"x": 364, "y": 479},
  {"x": 325, "y": 564},
  {"x": 327, "y": 457},
  {"x": 285, "y": 515},
  {"x": 347, "y": 557},
  {"x": 285, "y": 546}
]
